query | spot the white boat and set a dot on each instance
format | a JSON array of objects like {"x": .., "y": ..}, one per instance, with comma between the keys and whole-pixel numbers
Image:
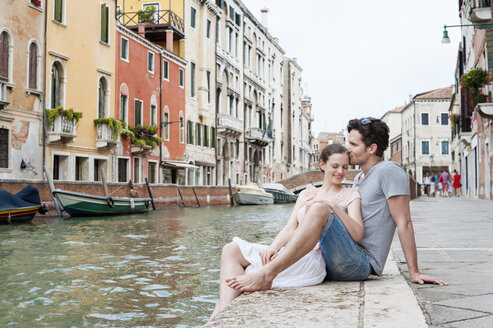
[
  {"x": 251, "y": 194},
  {"x": 281, "y": 194}
]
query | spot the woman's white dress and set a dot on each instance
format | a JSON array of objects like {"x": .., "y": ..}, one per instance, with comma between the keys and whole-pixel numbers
[{"x": 310, "y": 269}]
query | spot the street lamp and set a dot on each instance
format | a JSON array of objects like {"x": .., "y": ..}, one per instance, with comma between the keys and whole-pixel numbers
[{"x": 446, "y": 39}]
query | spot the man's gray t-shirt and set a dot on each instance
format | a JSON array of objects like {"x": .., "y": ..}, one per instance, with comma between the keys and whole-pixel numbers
[{"x": 384, "y": 180}]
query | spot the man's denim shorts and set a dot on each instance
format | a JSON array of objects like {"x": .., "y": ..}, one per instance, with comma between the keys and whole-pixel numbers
[{"x": 344, "y": 258}]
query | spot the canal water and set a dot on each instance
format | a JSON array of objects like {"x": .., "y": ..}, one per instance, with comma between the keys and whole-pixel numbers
[{"x": 159, "y": 269}]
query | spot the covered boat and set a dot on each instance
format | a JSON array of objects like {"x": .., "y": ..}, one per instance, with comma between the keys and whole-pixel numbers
[
  {"x": 281, "y": 193},
  {"x": 251, "y": 194},
  {"x": 79, "y": 204},
  {"x": 21, "y": 207}
]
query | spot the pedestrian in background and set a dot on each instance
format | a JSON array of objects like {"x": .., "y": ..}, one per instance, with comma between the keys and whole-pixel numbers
[
  {"x": 445, "y": 179},
  {"x": 427, "y": 183},
  {"x": 457, "y": 183},
  {"x": 433, "y": 186}
]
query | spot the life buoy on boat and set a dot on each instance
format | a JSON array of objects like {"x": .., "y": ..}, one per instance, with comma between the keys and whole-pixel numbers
[
  {"x": 110, "y": 202},
  {"x": 146, "y": 203}
]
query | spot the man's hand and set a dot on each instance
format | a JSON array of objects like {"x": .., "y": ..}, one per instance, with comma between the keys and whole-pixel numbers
[
  {"x": 268, "y": 255},
  {"x": 419, "y": 278}
]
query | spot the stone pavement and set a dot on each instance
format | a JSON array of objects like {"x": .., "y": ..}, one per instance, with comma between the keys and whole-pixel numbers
[
  {"x": 455, "y": 242},
  {"x": 454, "y": 237}
]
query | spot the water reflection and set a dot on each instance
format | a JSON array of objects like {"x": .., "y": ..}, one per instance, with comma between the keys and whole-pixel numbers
[{"x": 154, "y": 270}]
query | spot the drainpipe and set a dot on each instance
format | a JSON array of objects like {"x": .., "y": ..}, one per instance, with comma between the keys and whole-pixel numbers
[
  {"x": 414, "y": 139},
  {"x": 43, "y": 102},
  {"x": 215, "y": 94},
  {"x": 160, "y": 110}
]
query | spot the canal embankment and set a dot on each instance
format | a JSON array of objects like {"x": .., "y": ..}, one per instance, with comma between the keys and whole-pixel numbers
[
  {"x": 385, "y": 301},
  {"x": 165, "y": 195}
]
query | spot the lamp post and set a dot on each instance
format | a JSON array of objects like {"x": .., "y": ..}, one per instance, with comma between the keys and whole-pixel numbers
[{"x": 446, "y": 39}]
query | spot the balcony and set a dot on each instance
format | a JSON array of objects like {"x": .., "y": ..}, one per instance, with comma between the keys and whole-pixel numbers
[
  {"x": 3, "y": 94},
  {"x": 485, "y": 110},
  {"x": 136, "y": 149},
  {"x": 105, "y": 136},
  {"x": 62, "y": 130},
  {"x": 257, "y": 136},
  {"x": 480, "y": 13},
  {"x": 156, "y": 23},
  {"x": 229, "y": 125},
  {"x": 306, "y": 147}
]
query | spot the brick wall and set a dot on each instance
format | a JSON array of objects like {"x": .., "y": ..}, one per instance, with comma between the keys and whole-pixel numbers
[{"x": 164, "y": 195}]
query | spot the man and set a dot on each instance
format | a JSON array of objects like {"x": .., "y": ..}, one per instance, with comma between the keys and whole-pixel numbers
[{"x": 384, "y": 189}]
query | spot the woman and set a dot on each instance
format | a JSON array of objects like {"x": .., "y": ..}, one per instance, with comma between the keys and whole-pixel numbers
[
  {"x": 240, "y": 257},
  {"x": 457, "y": 183}
]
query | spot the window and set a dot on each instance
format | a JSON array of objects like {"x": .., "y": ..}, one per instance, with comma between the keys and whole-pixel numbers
[
  {"x": 99, "y": 164},
  {"x": 208, "y": 29},
  {"x": 425, "y": 147},
  {"x": 208, "y": 76},
  {"x": 151, "y": 172},
  {"x": 123, "y": 108},
  {"x": 213, "y": 137},
  {"x": 238, "y": 19},
  {"x": 189, "y": 132},
  {"x": 425, "y": 119},
  {"x": 198, "y": 134},
  {"x": 81, "y": 168},
  {"x": 56, "y": 85},
  {"x": 124, "y": 49},
  {"x": 192, "y": 80},
  {"x": 166, "y": 126},
  {"x": 153, "y": 115},
  {"x": 137, "y": 112},
  {"x": 58, "y": 11},
  {"x": 136, "y": 170},
  {"x": 4, "y": 56},
  {"x": 206, "y": 136},
  {"x": 122, "y": 170},
  {"x": 33, "y": 66},
  {"x": 4, "y": 148},
  {"x": 181, "y": 77},
  {"x": 165, "y": 70},
  {"x": 230, "y": 39},
  {"x": 445, "y": 148},
  {"x": 102, "y": 93},
  {"x": 444, "y": 119},
  {"x": 105, "y": 23},
  {"x": 192, "y": 16},
  {"x": 182, "y": 130},
  {"x": 150, "y": 62}
]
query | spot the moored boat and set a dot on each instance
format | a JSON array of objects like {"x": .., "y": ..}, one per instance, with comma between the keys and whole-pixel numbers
[
  {"x": 251, "y": 194},
  {"x": 79, "y": 204},
  {"x": 21, "y": 207},
  {"x": 280, "y": 192}
]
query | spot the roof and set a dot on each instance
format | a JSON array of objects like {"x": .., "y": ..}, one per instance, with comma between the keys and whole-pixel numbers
[{"x": 443, "y": 93}]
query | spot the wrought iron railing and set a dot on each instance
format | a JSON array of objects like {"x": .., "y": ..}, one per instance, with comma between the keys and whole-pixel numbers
[{"x": 163, "y": 17}]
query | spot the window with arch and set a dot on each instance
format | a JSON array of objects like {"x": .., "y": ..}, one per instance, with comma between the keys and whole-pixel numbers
[
  {"x": 33, "y": 66},
  {"x": 166, "y": 124},
  {"x": 56, "y": 85},
  {"x": 4, "y": 56},
  {"x": 182, "y": 129},
  {"x": 102, "y": 98}
]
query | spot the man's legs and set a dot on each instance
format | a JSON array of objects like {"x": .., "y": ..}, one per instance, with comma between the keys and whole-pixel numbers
[{"x": 303, "y": 241}]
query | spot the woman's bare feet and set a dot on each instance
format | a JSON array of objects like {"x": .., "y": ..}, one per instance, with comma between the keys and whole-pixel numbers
[{"x": 251, "y": 282}]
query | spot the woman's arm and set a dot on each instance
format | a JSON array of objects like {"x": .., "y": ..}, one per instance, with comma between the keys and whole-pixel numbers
[{"x": 352, "y": 219}]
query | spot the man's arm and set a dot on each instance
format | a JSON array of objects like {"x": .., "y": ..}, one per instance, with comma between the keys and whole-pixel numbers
[{"x": 399, "y": 209}]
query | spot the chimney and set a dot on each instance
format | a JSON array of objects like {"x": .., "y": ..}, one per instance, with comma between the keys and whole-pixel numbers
[
  {"x": 264, "y": 12},
  {"x": 141, "y": 30}
]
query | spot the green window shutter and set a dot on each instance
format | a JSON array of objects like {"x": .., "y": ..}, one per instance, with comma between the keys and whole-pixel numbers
[
  {"x": 104, "y": 22},
  {"x": 58, "y": 10}
]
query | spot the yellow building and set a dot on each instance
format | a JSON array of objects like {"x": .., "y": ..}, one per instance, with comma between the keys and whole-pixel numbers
[
  {"x": 161, "y": 21},
  {"x": 21, "y": 89},
  {"x": 80, "y": 76}
]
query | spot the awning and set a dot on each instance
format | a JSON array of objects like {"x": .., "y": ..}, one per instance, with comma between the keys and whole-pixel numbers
[
  {"x": 200, "y": 163},
  {"x": 182, "y": 165}
]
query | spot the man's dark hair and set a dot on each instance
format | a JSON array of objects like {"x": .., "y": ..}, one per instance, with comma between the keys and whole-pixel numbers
[
  {"x": 331, "y": 149},
  {"x": 373, "y": 131}
]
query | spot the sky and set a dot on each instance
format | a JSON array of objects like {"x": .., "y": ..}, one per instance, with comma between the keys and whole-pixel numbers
[{"x": 362, "y": 58}]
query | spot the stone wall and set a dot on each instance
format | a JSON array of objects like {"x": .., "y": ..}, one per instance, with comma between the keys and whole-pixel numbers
[{"x": 164, "y": 195}]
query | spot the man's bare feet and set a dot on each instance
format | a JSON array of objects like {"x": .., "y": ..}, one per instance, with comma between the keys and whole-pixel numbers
[{"x": 251, "y": 282}]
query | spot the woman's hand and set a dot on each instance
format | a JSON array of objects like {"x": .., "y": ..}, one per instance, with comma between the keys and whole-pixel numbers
[
  {"x": 268, "y": 255},
  {"x": 328, "y": 202}
]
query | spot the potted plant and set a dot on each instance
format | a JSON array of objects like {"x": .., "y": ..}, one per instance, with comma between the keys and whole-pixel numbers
[
  {"x": 147, "y": 15},
  {"x": 36, "y": 3}
]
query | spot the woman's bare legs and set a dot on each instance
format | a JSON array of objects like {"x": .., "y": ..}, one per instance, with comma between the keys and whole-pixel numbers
[{"x": 232, "y": 264}]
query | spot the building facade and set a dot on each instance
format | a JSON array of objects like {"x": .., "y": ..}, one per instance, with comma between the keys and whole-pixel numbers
[
  {"x": 426, "y": 133},
  {"x": 21, "y": 90},
  {"x": 322, "y": 140},
  {"x": 393, "y": 119}
]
